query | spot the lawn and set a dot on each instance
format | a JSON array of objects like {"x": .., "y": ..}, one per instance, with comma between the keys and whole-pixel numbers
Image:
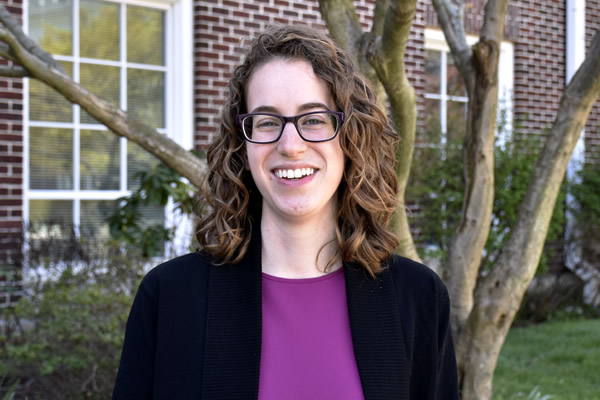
[{"x": 557, "y": 359}]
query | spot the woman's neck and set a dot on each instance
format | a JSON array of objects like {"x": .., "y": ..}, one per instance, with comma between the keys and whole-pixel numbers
[{"x": 290, "y": 247}]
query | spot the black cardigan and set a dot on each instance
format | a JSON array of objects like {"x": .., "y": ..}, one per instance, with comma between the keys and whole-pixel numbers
[{"x": 194, "y": 332}]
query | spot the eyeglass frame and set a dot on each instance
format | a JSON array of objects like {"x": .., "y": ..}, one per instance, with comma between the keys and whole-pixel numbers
[{"x": 339, "y": 115}]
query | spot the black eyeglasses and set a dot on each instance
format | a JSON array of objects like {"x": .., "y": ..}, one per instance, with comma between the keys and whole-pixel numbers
[{"x": 314, "y": 126}]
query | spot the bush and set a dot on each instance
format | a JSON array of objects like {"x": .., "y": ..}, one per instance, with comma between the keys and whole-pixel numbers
[
  {"x": 437, "y": 191},
  {"x": 63, "y": 339}
]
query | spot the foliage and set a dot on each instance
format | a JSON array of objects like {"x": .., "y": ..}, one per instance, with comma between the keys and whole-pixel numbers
[
  {"x": 560, "y": 358},
  {"x": 437, "y": 190},
  {"x": 63, "y": 339},
  {"x": 585, "y": 207},
  {"x": 156, "y": 187}
]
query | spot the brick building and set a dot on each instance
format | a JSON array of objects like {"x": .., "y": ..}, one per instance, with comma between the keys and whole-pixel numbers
[{"x": 58, "y": 166}]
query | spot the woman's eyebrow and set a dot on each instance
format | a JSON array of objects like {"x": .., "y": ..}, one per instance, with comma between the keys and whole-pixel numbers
[{"x": 302, "y": 108}]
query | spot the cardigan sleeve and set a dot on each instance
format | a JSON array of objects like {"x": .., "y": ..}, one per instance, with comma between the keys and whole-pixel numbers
[
  {"x": 447, "y": 375},
  {"x": 424, "y": 306},
  {"x": 136, "y": 369}
]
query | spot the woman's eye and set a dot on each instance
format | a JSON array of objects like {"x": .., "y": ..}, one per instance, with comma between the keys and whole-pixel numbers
[
  {"x": 313, "y": 121},
  {"x": 268, "y": 123}
]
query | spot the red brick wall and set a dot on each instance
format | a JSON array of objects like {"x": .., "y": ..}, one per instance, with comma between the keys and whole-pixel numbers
[
  {"x": 592, "y": 128},
  {"x": 11, "y": 171},
  {"x": 539, "y": 63},
  {"x": 221, "y": 26}
]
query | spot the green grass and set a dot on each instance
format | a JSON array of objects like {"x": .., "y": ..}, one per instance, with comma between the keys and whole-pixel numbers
[{"x": 559, "y": 359}]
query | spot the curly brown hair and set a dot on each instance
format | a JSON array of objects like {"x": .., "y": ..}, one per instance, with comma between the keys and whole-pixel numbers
[{"x": 367, "y": 193}]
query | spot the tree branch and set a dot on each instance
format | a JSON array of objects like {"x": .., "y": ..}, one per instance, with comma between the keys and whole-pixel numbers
[
  {"x": 43, "y": 67},
  {"x": 536, "y": 210},
  {"x": 14, "y": 72},
  {"x": 379, "y": 17},
  {"x": 494, "y": 20},
  {"x": 346, "y": 31},
  {"x": 5, "y": 50},
  {"x": 13, "y": 26},
  {"x": 386, "y": 56},
  {"x": 451, "y": 19},
  {"x": 342, "y": 23}
]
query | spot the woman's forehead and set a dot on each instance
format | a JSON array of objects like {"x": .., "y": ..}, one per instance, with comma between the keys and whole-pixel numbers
[{"x": 282, "y": 82}]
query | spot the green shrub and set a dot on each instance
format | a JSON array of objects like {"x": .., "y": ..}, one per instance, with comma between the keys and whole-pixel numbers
[
  {"x": 436, "y": 187},
  {"x": 63, "y": 339}
]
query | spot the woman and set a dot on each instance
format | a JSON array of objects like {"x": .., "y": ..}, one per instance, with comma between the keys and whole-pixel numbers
[{"x": 296, "y": 293}]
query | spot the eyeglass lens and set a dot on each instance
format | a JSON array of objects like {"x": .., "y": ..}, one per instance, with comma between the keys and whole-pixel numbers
[{"x": 312, "y": 127}]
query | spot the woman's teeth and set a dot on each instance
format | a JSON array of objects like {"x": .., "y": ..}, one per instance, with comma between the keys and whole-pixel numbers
[{"x": 294, "y": 173}]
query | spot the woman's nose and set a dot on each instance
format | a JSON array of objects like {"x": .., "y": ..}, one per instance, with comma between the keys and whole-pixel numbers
[{"x": 290, "y": 143}]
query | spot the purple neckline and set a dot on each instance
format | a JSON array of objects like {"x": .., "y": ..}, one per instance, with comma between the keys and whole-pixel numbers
[{"x": 303, "y": 280}]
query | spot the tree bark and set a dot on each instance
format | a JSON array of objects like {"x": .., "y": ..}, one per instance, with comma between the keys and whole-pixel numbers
[
  {"x": 34, "y": 62},
  {"x": 479, "y": 68},
  {"x": 379, "y": 55},
  {"x": 499, "y": 294}
]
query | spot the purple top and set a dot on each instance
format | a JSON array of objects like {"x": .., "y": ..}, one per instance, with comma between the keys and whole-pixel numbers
[{"x": 307, "y": 350}]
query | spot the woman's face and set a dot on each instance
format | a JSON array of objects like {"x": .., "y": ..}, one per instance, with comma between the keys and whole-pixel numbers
[{"x": 289, "y": 88}]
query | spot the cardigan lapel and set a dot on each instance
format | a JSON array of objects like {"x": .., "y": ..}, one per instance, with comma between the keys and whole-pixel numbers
[
  {"x": 377, "y": 334},
  {"x": 233, "y": 328}
]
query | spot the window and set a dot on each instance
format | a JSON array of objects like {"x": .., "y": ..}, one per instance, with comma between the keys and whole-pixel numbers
[{"x": 75, "y": 167}]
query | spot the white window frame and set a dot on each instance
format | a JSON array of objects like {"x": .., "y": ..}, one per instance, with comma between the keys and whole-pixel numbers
[
  {"x": 435, "y": 40},
  {"x": 178, "y": 104}
]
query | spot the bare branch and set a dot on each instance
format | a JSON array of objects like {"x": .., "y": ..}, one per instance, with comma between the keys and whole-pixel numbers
[
  {"x": 494, "y": 20},
  {"x": 342, "y": 23},
  {"x": 346, "y": 31},
  {"x": 451, "y": 19},
  {"x": 5, "y": 50},
  {"x": 576, "y": 102},
  {"x": 386, "y": 56},
  {"x": 14, "y": 72},
  {"x": 396, "y": 29},
  {"x": 24, "y": 41},
  {"x": 379, "y": 17},
  {"x": 43, "y": 67}
]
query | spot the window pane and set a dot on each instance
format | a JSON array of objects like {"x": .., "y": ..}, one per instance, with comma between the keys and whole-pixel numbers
[
  {"x": 50, "y": 218},
  {"x": 103, "y": 81},
  {"x": 99, "y": 160},
  {"x": 51, "y": 25},
  {"x": 432, "y": 71},
  {"x": 45, "y": 104},
  {"x": 455, "y": 82},
  {"x": 50, "y": 158},
  {"x": 432, "y": 128},
  {"x": 93, "y": 218},
  {"x": 457, "y": 121},
  {"x": 146, "y": 96},
  {"x": 145, "y": 35},
  {"x": 138, "y": 160},
  {"x": 99, "y": 30}
]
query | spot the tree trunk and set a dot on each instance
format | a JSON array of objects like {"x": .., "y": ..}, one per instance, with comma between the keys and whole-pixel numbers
[
  {"x": 379, "y": 55},
  {"x": 500, "y": 293},
  {"x": 479, "y": 69}
]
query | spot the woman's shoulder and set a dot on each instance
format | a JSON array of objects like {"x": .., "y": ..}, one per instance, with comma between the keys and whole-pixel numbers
[
  {"x": 414, "y": 277},
  {"x": 178, "y": 272},
  {"x": 410, "y": 268}
]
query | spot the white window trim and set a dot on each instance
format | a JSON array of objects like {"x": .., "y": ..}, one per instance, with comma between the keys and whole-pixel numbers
[
  {"x": 435, "y": 40},
  {"x": 178, "y": 103}
]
